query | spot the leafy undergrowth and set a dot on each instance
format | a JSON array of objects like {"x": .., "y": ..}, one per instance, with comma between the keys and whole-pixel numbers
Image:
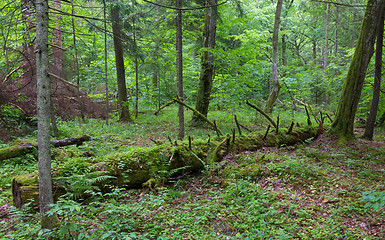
[{"x": 320, "y": 190}]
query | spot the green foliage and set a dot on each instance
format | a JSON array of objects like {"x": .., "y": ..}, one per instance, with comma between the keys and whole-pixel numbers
[
  {"x": 79, "y": 179},
  {"x": 374, "y": 199}
]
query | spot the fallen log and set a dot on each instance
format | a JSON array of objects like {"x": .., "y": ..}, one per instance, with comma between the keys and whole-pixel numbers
[
  {"x": 23, "y": 147},
  {"x": 145, "y": 166}
]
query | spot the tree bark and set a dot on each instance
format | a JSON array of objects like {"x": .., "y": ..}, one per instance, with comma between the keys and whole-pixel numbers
[
  {"x": 207, "y": 61},
  {"x": 23, "y": 147},
  {"x": 179, "y": 67},
  {"x": 276, "y": 85},
  {"x": 119, "y": 61},
  {"x": 326, "y": 37},
  {"x": 105, "y": 59},
  {"x": 351, "y": 92},
  {"x": 43, "y": 115},
  {"x": 369, "y": 129}
]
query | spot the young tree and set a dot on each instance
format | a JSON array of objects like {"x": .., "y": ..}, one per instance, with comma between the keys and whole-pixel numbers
[
  {"x": 179, "y": 66},
  {"x": 207, "y": 60},
  {"x": 369, "y": 130},
  {"x": 119, "y": 61},
  {"x": 351, "y": 92},
  {"x": 43, "y": 115},
  {"x": 276, "y": 86}
]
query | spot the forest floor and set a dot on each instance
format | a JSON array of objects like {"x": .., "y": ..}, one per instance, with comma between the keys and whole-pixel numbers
[{"x": 323, "y": 189}]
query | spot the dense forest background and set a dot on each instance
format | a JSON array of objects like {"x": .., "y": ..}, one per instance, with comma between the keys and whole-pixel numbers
[
  {"x": 316, "y": 44},
  {"x": 263, "y": 128}
]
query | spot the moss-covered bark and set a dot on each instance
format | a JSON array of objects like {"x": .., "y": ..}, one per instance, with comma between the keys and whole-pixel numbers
[
  {"x": 134, "y": 168},
  {"x": 22, "y": 147},
  {"x": 351, "y": 92},
  {"x": 207, "y": 62}
]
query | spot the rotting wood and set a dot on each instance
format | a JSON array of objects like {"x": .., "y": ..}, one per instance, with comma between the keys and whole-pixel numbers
[
  {"x": 23, "y": 147},
  {"x": 135, "y": 167}
]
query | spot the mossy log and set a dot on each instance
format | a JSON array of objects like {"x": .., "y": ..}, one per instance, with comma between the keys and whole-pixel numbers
[
  {"x": 132, "y": 169},
  {"x": 23, "y": 147},
  {"x": 25, "y": 189}
]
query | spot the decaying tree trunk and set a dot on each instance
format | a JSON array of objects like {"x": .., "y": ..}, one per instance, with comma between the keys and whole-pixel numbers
[
  {"x": 136, "y": 168},
  {"x": 22, "y": 147}
]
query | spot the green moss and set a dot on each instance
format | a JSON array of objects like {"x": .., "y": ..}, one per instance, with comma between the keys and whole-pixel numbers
[
  {"x": 27, "y": 179},
  {"x": 252, "y": 171}
]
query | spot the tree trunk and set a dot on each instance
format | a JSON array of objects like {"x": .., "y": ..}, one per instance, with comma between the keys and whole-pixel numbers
[
  {"x": 276, "y": 85},
  {"x": 76, "y": 62},
  {"x": 326, "y": 37},
  {"x": 284, "y": 58},
  {"x": 179, "y": 67},
  {"x": 207, "y": 61},
  {"x": 351, "y": 92},
  {"x": 23, "y": 147},
  {"x": 119, "y": 61},
  {"x": 105, "y": 59},
  {"x": 369, "y": 130},
  {"x": 336, "y": 32},
  {"x": 43, "y": 115}
]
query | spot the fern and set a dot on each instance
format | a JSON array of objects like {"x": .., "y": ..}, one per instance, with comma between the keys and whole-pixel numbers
[
  {"x": 162, "y": 170},
  {"x": 78, "y": 184}
]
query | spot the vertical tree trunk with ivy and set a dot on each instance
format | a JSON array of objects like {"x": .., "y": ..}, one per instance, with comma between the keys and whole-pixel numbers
[
  {"x": 351, "y": 92},
  {"x": 179, "y": 66},
  {"x": 207, "y": 61},
  {"x": 43, "y": 115},
  {"x": 276, "y": 85},
  {"x": 119, "y": 61},
  {"x": 369, "y": 129}
]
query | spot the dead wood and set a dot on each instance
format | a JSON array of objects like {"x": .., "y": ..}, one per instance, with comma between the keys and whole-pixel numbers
[
  {"x": 135, "y": 168},
  {"x": 263, "y": 113},
  {"x": 23, "y": 147}
]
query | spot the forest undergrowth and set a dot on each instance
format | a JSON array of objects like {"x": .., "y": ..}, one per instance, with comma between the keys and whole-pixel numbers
[{"x": 319, "y": 189}]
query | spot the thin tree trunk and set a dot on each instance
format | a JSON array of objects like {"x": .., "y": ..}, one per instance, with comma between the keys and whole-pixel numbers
[
  {"x": 56, "y": 40},
  {"x": 43, "y": 114},
  {"x": 76, "y": 64},
  {"x": 284, "y": 58},
  {"x": 276, "y": 85},
  {"x": 326, "y": 37},
  {"x": 354, "y": 28},
  {"x": 136, "y": 86},
  {"x": 207, "y": 61},
  {"x": 314, "y": 51},
  {"x": 369, "y": 130},
  {"x": 105, "y": 59},
  {"x": 136, "y": 71},
  {"x": 179, "y": 67},
  {"x": 351, "y": 92},
  {"x": 119, "y": 61}
]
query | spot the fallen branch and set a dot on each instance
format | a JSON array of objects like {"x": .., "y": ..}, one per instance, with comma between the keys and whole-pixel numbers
[
  {"x": 263, "y": 113},
  {"x": 23, "y": 147},
  {"x": 178, "y": 100}
]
